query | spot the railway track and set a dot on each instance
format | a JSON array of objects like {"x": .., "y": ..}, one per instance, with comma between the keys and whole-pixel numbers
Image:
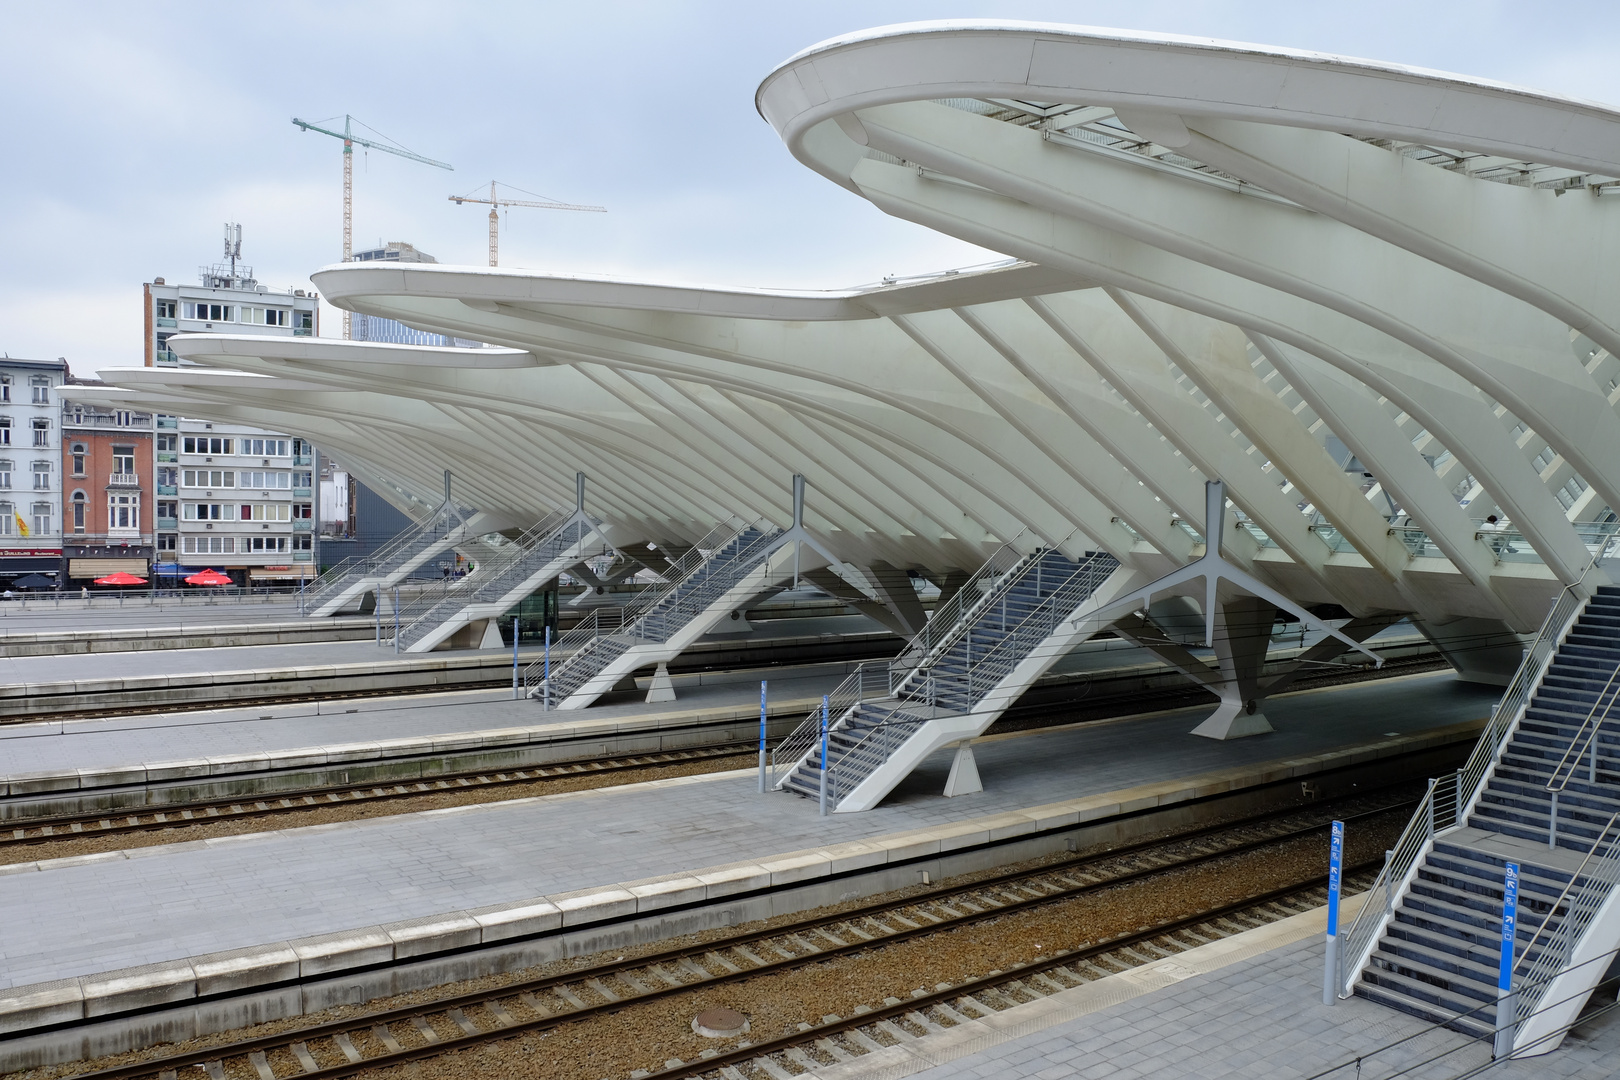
[
  {"x": 180, "y": 815},
  {"x": 396, "y": 1036}
]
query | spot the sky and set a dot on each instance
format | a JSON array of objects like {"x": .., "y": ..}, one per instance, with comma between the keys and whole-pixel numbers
[{"x": 132, "y": 132}]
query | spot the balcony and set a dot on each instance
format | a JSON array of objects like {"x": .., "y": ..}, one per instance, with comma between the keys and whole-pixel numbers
[
  {"x": 169, "y": 422},
  {"x": 80, "y": 418},
  {"x": 168, "y": 523},
  {"x": 169, "y": 324},
  {"x": 302, "y": 331},
  {"x": 166, "y": 489},
  {"x": 303, "y": 459},
  {"x": 301, "y": 493},
  {"x": 303, "y": 556},
  {"x": 124, "y": 480},
  {"x": 168, "y": 455},
  {"x": 303, "y": 525},
  {"x": 165, "y": 358}
]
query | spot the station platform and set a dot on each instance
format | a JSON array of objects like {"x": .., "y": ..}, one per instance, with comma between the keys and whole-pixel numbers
[
  {"x": 1245, "y": 1006},
  {"x": 93, "y": 935},
  {"x": 75, "y": 684}
]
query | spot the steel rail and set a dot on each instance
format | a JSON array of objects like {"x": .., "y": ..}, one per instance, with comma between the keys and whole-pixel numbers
[
  {"x": 815, "y": 954},
  {"x": 91, "y": 825}
]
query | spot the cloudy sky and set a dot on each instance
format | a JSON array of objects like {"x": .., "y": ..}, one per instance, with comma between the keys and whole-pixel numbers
[{"x": 133, "y": 131}]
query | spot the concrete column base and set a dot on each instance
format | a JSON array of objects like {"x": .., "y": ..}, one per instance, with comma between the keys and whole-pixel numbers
[
  {"x": 1231, "y": 720},
  {"x": 662, "y": 688},
  {"x": 964, "y": 778},
  {"x": 492, "y": 635}
]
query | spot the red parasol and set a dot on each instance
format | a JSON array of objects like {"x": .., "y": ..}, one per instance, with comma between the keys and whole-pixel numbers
[
  {"x": 208, "y": 577},
  {"x": 120, "y": 578}
]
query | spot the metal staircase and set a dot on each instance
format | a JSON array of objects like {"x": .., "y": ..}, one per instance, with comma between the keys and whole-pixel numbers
[
  {"x": 388, "y": 565},
  {"x": 723, "y": 570},
  {"x": 978, "y": 653},
  {"x": 1542, "y": 789},
  {"x": 504, "y": 576}
]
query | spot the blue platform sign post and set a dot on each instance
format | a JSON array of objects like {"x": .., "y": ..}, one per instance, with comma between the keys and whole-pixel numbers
[
  {"x": 824, "y": 755},
  {"x": 1506, "y": 1005},
  {"x": 1330, "y": 961},
  {"x": 762, "y": 784},
  {"x": 515, "y": 693},
  {"x": 546, "y": 674}
]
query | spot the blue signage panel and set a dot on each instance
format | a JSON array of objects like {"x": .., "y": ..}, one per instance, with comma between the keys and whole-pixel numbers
[
  {"x": 1335, "y": 873},
  {"x": 1510, "y": 919}
]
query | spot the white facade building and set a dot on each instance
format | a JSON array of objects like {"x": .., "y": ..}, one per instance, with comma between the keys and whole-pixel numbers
[
  {"x": 231, "y": 498},
  {"x": 30, "y": 467}
]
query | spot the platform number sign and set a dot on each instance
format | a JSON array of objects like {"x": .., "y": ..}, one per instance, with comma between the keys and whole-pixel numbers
[{"x": 1335, "y": 876}]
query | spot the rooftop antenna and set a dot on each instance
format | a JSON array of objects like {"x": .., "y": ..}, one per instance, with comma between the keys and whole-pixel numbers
[
  {"x": 233, "y": 244},
  {"x": 350, "y": 140},
  {"x": 495, "y": 202}
]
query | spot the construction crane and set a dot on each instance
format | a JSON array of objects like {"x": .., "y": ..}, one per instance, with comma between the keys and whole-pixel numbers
[
  {"x": 495, "y": 202},
  {"x": 350, "y": 140}
]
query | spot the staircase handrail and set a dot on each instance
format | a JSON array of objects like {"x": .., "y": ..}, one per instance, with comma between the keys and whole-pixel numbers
[
  {"x": 1581, "y": 741},
  {"x": 1464, "y": 784},
  {"x": 1006, "y": 654},
  {"x": 948, "y": 617},
  {"x": 854, "y": 689},
  {"x": 714, "y": 542},
  {"x": 703, "y": 586},
  {"x": 1585, "y": 893},
  {"x": 490, "y": 569},
  {"x": 643, "y": 603},
  {"x": 840, "y": 769},
  {"x": 360, "y": 565},
  {"x": 1440, "y": 809}
]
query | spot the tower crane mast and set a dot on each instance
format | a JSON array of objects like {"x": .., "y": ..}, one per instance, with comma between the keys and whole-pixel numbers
[
  {"x": 495, "y": 202},
  {"x": 350, "y": 141}
]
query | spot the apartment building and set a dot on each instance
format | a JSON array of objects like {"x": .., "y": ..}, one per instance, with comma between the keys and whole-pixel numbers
[
  {"x": 230, "y": 498},
  {"x": 244, "y": 501},
  {"x": 107, "y": 492},
  {"x": 30, "y": 468}
]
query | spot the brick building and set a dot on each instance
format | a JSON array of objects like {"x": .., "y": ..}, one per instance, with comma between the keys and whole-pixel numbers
[{"x": 107, "y": 492}]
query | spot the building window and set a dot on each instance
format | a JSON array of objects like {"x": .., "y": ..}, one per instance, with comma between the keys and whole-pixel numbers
[
  {"x": 5, "y": 389},
  {"x": 42, "y": 433},
  {"x": 303, "y": 320},
  {"x": 264, "y": 447},
  {"x": 302, "y": 479},
  {"x": 78, "y": 459},
  {"x": 265, "y": 511},
  {"x": 42, "y": 476},
  {"x": 124, "y": 458},
  {"x": 42, "y": 519},
  {"x": 209, "y": 478},
  {"x": 42, "y": 389},
  {"x": 167, "y": 542},
  {"x": 166, "y": 442},
  {"x": 123, "y": 513},
  {"x": 8, "y": 516},
  {"x": 123, "y": 418},
  {"x": 303, "y": 511},
  {"x": 264, "y": 479},
  {"x": 209, "y": 545},
  {"x": 168, "y": 475},
  {"x": 208, "y": 312},
  {"x": 5, "y": 475},
  {"x": 199, "y": 445},
  {"x": 5, "y": 431},
  {"x": 167, "y": 509},
  {"x": 165, "y": 309},
  {"x": 303, "y": 542},
  {"x": 80, "y": 502}
]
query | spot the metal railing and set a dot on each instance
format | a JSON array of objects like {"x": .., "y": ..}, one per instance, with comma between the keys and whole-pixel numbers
[
  {"x": 845, "y": 773},
  {"x": 356, "y": 567},
  {"x": 623, "y": 619},
  {"x": 500, "y": 569},
  {"x": 868, "y": 682},
  {"x": 1583, "y": 742},
  {"x": 981, "y": 673},
  {"x": 1588, "y": 889},
  {"x": 1457, "y": 790},
  {"x": 946, "y": 619}
]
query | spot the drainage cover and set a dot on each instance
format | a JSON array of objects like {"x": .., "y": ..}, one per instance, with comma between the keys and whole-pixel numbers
[{"x": 719, "y": 1023}]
